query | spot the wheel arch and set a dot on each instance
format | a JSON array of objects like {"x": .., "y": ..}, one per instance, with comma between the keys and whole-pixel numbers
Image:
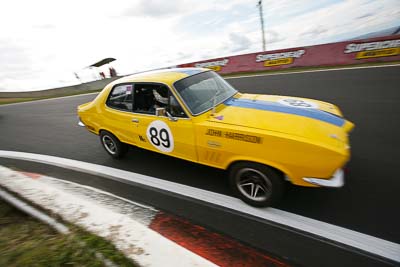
[
  {"x": 278, "y": 168},
  {"x": 108, "y": 131},
  {"x": 118, "y": 149}
]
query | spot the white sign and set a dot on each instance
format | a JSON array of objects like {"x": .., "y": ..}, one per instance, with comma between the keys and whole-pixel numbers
[
  {"x": 290, "y": 54},
  {"x": 351, "y": 48},
  {"x": 212, "y": 63},
  {"x": 298, "y": 103},
  {"x": 160, "y": 136}
]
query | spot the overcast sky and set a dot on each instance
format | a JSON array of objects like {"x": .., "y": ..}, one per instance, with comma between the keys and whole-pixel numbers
[{"x": 43, "y": 42}]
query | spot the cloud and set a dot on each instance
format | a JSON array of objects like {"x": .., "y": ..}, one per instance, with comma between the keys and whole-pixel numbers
[
  {"x": 367, "y": 15},
  {"x": 314, "y": 31},
  {"x": 284, "y": 10},
  {"x": 218, "y": 19},
  {"x": 44, "y": 48},
  {"x": 239, "y": 42},
  {"x": 183, "y": 56},
  {"x": 157, "y": 8},
  {"x": 47, "y": 26},
  {"x": 15, "y": 61},
  {"x": 273, "y": 37},
  {"x": 336, "y": 22}
]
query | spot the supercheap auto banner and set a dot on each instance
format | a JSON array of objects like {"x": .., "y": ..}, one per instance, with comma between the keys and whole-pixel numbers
[{"x": 334, "y": 54}]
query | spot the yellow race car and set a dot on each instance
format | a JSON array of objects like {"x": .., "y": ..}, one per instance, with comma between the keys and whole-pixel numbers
[{"x": 194, "y": 114}]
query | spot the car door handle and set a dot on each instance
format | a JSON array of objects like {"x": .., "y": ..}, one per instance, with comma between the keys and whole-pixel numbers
[{"x": 135, "y": 120}]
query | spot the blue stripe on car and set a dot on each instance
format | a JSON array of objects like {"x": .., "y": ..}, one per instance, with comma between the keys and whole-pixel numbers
[{"x": 277, "y": 107}]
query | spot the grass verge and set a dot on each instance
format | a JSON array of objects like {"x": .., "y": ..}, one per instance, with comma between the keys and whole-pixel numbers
[
  {"x": 4, "y": 101},
  {"x": 25, "y": 241},
  {"x": 15, "y": 100}
]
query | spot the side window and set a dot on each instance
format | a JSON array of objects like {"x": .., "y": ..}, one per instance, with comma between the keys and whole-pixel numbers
[
  {"x": 148, "y": 97},
  {"x": 121, "y": 97},
  {"x": 144, "y": 99},
  {"x": 174, "y": 108}
]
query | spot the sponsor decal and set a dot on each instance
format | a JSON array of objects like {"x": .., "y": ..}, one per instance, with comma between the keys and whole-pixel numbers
[
  {"x": 214, "y": 65},
  {"x": 220, "y": 118},
  {"x": 235, "y": 136},
  {"x": 283, "y": 58},
  {"x": 374, "y": 49},
  {"x": 378, "y": 53},
  {"x": 298, "y": 103},
  {"x": 160, "y": 136},
  {"x": 213, "y": 144},
  {"x": 277, "y": 62}
]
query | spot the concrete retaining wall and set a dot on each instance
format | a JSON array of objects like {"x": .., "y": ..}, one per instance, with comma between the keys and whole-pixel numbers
[{"x": 382, "y": 49}]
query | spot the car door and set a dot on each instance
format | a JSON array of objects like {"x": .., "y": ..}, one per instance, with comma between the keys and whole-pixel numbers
[
  {"x": 172, "y": 135},
  {"x": 117, "y": 116}
]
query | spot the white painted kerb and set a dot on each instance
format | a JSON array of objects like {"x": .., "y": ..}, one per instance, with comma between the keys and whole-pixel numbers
[
  {"x": 342, "y": 235},
  {"x": 136, "y": 240}
]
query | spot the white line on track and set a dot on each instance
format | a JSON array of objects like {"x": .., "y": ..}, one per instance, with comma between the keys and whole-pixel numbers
[
  {"x": 307, "y": 71},
  {"x": 355, "y": 239},
  {"x": 46, "y": 100}
]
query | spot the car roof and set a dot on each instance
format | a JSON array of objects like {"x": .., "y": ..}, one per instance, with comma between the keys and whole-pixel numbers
[{"x": 167, "y": 76}]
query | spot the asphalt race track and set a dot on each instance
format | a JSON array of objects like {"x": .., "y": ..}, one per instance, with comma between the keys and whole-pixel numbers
[{"x": 369, "y": 97}]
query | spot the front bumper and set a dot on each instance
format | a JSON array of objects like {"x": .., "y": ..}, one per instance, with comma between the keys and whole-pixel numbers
[{"x": 337, "y": 180}]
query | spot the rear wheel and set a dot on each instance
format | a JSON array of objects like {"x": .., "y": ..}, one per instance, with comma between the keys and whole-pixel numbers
[
  {"x": 112, "y": 145},
  {"x": 256, "y": 184}
]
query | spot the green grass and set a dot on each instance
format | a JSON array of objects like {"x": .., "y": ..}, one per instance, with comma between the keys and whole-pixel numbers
[
  {"x": 4, "y": 101},
  {"x": 25, "y": 241},
  {"x": 15, "y": 100}
]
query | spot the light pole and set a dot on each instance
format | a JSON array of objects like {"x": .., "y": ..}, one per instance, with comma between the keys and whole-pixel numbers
[{"x": 262, "y": 22}]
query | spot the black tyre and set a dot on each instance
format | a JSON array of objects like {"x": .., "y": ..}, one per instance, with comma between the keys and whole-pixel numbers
[
  {"x": 112, "y": 145},
  {"x": 256, "y": 184}
]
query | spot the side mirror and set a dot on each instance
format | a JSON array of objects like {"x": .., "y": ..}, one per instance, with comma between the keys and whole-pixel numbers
[
  {"x": 170, "y": 117},
  {"x": 160, "y": 112}
]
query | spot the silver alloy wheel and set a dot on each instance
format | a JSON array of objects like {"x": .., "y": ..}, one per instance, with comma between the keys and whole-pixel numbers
[
  {"x": 109, "y": 144},
  {"x": 253, "y": 184}
]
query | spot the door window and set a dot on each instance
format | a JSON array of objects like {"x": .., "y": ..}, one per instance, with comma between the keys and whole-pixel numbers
[
  {"x": 174, "y": 108},
  {"x": 148, "y": 97}
]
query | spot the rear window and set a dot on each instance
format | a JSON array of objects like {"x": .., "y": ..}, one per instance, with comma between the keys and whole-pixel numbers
[{"x": 121, "y": 97}]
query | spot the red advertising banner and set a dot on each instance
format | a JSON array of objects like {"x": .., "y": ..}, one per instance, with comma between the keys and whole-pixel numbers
[{"x": 344, "y": 53}]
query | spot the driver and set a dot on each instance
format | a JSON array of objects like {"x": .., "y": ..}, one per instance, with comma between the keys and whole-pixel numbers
[{"x": 160, "y": 99}]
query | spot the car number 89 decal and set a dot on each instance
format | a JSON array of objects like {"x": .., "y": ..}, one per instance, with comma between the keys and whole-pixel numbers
[
  {"x": 160, "y": 136},
  {"x": 298, "y": 103}
]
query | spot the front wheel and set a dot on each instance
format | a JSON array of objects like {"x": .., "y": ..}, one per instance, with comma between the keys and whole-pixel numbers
[
  {"x": 112, "y": 145},
  {"x": 256, "y": 184}
]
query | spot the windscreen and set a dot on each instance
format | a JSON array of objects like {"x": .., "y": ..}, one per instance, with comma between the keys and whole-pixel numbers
[{"x": 201, "y": 91}]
